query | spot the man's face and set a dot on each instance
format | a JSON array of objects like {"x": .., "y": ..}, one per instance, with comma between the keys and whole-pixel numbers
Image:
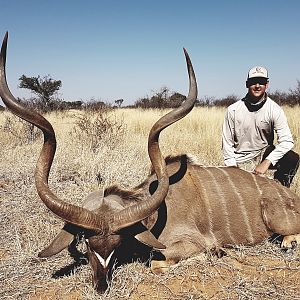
[{"x": 257, "y": 87}]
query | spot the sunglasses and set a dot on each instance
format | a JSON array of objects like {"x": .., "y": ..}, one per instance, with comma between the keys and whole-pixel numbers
[{"x": 257, "y": 80}]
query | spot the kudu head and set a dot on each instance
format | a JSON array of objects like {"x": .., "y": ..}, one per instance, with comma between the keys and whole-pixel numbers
[{"x": 103, "y": 218}]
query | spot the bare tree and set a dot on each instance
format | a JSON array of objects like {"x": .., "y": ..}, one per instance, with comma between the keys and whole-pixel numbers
[{"x": 119, "y": 102}]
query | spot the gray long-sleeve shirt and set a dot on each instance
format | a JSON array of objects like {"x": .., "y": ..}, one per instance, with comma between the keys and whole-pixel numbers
[{"x": 246, "y": 134}]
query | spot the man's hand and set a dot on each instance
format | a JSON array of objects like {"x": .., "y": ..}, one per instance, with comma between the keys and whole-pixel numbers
[{"x": 262, "y": 167}]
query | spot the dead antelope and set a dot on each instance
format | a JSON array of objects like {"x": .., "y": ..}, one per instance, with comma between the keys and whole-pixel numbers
[{"x": 182, "y": 209}]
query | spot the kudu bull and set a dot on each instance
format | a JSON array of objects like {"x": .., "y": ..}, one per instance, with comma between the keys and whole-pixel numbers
[{"x": 182, "y": 209}]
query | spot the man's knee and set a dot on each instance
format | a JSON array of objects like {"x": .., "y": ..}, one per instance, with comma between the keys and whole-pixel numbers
[
  {"x": 287, "y": 167},
  {"x": 284, "y": 178}
]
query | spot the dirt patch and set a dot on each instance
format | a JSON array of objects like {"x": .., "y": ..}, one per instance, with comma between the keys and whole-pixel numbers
[
  {"x": 5, "y": 184},
  {"x": 3, "y": 254},
  {"x": 54, "y": 294},
  {"x": 256, "y": 277}
]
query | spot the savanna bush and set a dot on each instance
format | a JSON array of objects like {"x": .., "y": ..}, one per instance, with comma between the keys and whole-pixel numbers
[
  {"x": 20, "y": 131},
  {"x": 98, "y": 128}
]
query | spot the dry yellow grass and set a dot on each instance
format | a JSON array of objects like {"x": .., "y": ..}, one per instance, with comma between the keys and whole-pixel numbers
[{"x": 261, "y": 272}]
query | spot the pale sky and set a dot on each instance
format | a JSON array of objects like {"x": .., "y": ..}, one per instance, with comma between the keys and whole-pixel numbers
[{"x": 127, "y": 49}]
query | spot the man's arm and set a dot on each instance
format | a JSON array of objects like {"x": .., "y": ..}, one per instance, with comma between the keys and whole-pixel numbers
[
  {"x": 285, "y": 140},
  {"x": 228, "y": 140}
]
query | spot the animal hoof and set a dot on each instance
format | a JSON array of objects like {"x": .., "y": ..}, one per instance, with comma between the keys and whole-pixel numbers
[
  {"x": 294, "y": 244},
  {"x": 218, "y": 252},
  {"x": 159, "y": 266}
]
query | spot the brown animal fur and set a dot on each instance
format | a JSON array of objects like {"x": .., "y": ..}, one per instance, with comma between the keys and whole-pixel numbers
[{"x": 221, "y": 206}]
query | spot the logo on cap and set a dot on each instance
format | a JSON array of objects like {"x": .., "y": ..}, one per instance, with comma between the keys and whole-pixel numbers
[{"x": 258, "y": 72}]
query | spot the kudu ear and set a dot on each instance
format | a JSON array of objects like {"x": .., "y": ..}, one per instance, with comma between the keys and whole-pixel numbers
[
  {"x": 61, "y": 241},
  {"x": 147, "y": 238},
  {"x": 143, "y": 235}
]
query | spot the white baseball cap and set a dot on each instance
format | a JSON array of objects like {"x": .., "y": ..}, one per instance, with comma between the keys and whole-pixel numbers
[{"x": 258, "y": 71}]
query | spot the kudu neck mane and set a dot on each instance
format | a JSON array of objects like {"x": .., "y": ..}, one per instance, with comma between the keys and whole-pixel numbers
[{"x": 137, "y": 193}]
